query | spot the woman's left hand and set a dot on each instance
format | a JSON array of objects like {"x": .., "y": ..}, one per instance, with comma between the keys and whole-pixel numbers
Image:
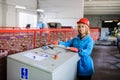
[{"x": 73, "y": 49}]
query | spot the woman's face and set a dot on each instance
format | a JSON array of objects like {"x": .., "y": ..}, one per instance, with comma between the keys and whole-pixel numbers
[{"x": 82, "y": 28}]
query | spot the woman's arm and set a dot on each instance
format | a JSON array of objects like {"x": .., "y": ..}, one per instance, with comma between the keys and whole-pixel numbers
[{"x": 67, "y": 43}]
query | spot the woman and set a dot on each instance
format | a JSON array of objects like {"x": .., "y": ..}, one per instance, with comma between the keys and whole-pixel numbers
[{"x": 83, "y": 44}]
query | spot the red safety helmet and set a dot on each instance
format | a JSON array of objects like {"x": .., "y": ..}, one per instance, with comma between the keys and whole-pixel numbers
[{"x": 85, "y": 21}]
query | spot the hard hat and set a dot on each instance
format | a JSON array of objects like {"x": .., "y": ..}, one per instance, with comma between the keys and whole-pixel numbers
[{"x": 84, "y": 21}]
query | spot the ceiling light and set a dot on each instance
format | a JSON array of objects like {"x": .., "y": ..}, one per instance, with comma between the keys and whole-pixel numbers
[
  {"x": 40, "y": 10},
  {"x": 20, "y": 7},
  {"x": 108, "y": 21},
  {"x": 118, "y": 23}
]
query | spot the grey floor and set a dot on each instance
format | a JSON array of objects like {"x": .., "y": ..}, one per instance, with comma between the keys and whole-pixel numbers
[{"x": 107, "y": 63}]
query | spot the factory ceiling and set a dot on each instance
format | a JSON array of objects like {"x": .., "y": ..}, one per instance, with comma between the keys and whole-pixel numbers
[
  {"x": 102, "y": 7},
  {"x": 91, "y": 7}
]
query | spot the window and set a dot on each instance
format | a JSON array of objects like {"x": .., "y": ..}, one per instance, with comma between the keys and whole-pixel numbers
[{"x": 25, "y": 19}]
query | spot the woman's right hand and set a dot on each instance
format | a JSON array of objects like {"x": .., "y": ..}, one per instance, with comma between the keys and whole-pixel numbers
[{"x": 55, "y": 42}]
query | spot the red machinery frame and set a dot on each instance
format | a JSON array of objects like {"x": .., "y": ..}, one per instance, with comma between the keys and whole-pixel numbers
[{"x": 33, "y": 38}]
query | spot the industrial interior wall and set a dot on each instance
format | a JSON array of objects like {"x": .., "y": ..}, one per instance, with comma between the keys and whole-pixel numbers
[
  {"x": 29, "y": 4},
  {"x": 10, "y": 14},
  {"x": 1, "y": 14},
  {"x": 96, "y": 20},
  {"x": 64, "y": 22},
  {"x": 66, "y": 14}
]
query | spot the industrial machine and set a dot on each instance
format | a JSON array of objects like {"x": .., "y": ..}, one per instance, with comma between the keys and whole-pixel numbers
[
  {"x": 118, "y": 37},
  {"x": 45, "y": 63},
  {"x": 54, "y": 25}
]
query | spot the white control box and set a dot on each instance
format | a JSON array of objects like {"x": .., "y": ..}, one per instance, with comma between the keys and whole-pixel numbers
[{"x": 42, "y": 64}]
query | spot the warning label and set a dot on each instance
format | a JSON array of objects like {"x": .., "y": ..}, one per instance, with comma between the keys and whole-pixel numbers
[{"x": 24, "y": 73}]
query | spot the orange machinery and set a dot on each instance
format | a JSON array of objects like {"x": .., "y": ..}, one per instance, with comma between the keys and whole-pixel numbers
[
  {"x": 21, "y": 40},
  {"x": 25, "y": 39}
]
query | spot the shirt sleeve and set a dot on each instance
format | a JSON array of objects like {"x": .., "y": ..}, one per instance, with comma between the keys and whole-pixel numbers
[{"x": 67, "y": 43}]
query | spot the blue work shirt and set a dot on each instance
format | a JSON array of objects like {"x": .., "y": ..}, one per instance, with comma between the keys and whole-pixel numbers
[{"x": 85, "y": 47}]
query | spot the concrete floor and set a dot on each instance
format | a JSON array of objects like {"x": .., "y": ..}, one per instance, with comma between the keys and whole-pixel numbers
[{"x": 107, "y": 63}]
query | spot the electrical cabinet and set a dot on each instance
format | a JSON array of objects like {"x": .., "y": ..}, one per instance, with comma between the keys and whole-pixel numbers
[{"x": 42, "y": 64}]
